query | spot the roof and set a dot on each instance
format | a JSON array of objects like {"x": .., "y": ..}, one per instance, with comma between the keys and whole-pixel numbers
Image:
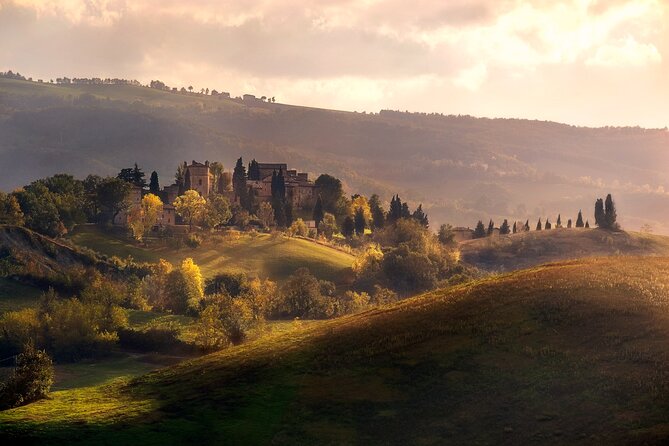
[{"x": 272, "y": 165}]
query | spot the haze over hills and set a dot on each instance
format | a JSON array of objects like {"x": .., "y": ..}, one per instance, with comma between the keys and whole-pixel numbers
[{"x": 461, "y": 168}]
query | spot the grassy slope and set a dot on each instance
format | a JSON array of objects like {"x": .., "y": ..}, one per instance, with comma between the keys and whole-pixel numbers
[
  {"x": 526, "y": 249},
  {"x": 573, "y": 352},
  {"x": 262, "y": 254},
  {"x": 15, "y": 296}
]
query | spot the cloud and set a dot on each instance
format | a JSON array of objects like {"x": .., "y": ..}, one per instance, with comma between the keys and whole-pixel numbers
[{"x": 483, "y": 57}]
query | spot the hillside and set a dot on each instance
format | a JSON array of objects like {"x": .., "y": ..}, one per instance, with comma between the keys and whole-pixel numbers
[
  {"x": 526, "y": 249},
  {"x": 264, "y": 255},
  {"x": 462, "y": 168},
  {"x": 567, "y": 353}
]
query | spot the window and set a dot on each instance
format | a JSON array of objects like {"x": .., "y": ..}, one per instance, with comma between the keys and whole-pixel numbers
[{"x": 199, "y": 182}]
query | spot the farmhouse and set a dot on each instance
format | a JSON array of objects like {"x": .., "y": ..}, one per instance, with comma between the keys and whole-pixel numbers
[{"x": 300, "y": 191}]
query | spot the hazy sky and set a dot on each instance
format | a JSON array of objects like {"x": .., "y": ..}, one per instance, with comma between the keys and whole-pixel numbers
[{"x": 582, "y": 62}]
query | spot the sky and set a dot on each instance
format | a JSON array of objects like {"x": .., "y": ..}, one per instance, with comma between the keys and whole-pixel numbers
[{"x": 582, "y": 62}]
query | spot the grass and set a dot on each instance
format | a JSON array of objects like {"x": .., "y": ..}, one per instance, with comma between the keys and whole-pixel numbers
[
  {"x": 261, "y": 254},
  {"x": 96, "y": 373},
  {"x": 16, "y": 296},
  {"x": 573, "y": 352},
  {"x": 526, "y": 249}
]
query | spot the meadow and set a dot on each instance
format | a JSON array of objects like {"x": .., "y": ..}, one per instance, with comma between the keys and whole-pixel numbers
[
  {"x": 569, "y": 352},
  {"x": 264, "y": 255}
]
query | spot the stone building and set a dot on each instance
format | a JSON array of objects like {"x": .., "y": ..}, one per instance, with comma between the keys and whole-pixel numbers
[
  {"x": 199, "y": 178},
  {"x": 300, "y": 191}
]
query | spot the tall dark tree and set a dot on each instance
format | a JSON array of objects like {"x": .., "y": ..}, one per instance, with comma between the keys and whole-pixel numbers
[
  {"x": 378, "y": 214},
  {"x": 587, "y": 224},
  {"x": 610, "y": 215},
  {"x": 348, "y": 227},
  {"x": 548, "y": 224},
  {"x": 491, "y": 228},
  {"x": 569, "y": 224},
  {"x": 579, "y": 219},
  {"x": 527, "y": 225},
  {"x": 180, "y": 178},
  {"x": 154, "y": 185},
  {"x": 406, "y": 213},
  {"x": 359, "y": 221},
  {"x": 421, "y": 216},
  {"x": 332, "y": 192},
  {"x": 395, "y": 211},
  {"x": 318, "y": 212},
  {"x": 504, "y": 228},
  {"x": 187, "y": 181},
  {"x": 600, "y": 216},
  {"x": 288, "y": 209},
  {"x": 479, "y": 231},
  {"x": 515, "y": 229},
  {"x": 254, "y": 171},
  {"x": 558, "y": 223},
  {"x": 539, "y": 225},
  {"x": 138, "y": 177},
  {"x": 279, "y": 212},
  {"x": 239, "y": 184}
]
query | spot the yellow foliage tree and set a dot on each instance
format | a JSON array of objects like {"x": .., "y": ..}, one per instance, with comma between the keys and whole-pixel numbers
[
  {"x": 145, "y": 216},
  {"x": 194, "y": 282},
  {"x": 369, "y": 261},
  {"x": 190, "y": 206},
  {"x": 360, "y": 202}
]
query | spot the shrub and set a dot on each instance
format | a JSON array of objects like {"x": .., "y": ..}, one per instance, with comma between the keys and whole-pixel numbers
[
  {"x": 162, "y": 338},
  {"x": 369, "y": 261},
  {"x": 30, "y": 381},
  {"x": 303, "y": 296},
  {"x": 298, "y": 228},
  {"x": 350, "y": 303},
  {"x": 193, "y": 241},
  {"x": 18, "y": 328},
  {"x": 224, "y": 320}
]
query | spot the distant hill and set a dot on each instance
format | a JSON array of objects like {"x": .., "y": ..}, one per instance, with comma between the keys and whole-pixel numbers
[
  {"x": 525, "y": 249},
  {"x": 568, "y": 353},
  {"x": 460, "y": 167}
]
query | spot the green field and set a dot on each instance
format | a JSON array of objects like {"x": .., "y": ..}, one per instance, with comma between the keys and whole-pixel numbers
[
  {"x": 264, "y": 255},
  {"x": 567, "y": 353}
]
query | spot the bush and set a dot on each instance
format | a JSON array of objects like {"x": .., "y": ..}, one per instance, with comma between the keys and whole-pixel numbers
[
  {"x": 30, "y": 381},
  {"x": 303, "y": 295},
  {"x": 224, "y": 320},
  {"x": 298, "y": 228},
  {"x": 155, "y": 338},
  {"x": 193, "y": 241}
]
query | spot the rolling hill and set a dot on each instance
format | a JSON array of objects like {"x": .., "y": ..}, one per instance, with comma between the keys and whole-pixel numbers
[
  {"x": 460, "y": 167},
  {"x": 573, "y": 352},
  {"x": 526, "y": 249},
  {"x": 264, "y": 255}
]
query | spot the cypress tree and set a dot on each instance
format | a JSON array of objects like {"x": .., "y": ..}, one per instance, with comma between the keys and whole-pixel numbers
[
  {"x": 514, "y": 227},
  {"x": 187, "y": 185},
  {"x": 138, "y": 177},
  {"x": 569, "y": 224},
  {"x": 504, "y": 228},
  {"x": 479, "y": 232},
  {"x": 610, "y": 215},
  {"x": 491, "y": 227},
  {"x": 421, "y": 216},
  {"x": 539, "y": 225},
  {"x": 318, "y": 213},
  {"x": 348, "y": 227},
  {"x": 600, "y": 216},
  {"x": 587, "y": 224},
  {"x": 239, "y": 183},
  {"x": 527, "y": 225},
  {"x": 279, "y": 212},
  {"x": 406, "y": 213},
  {"x": 378, "y": 215},
  {"x": 359, "y": 221},
  {"x": 395, "y": 211},
  {"x": 548, "y": 224},
  {"x": 288, "y": 210},
  {"x": 558, "y": 223},
  {"x": 154, "y": 185},
  {"x": 579, "y": 220}
]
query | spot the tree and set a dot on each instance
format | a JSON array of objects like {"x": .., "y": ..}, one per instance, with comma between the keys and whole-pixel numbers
[
  {"x": 515, "y": 229},
  {"x": 348, "y": 227},
  {"x": 527, "y": 225},
  {"x": 446, "y": 235},
  {"x": 39, "y": 209},
  {"x": 359, "y": 201},
  {"x": 154, "y": 185},
  {"x": 331, "y": 191},
  {"x": 587, "y": 224},
  {"x": 406, "y": 213},
  {"x": 479, "y": 231},
  {"x": 239, "y": 183},
  {"x": 548, "y": 224},
  {"x": 395, "y": 211},
  {"x": 421, "y": 216},
  {"x": 302, "y": 295},
  {"x": 180, "y": 178},
  {"x": 378, "y": 214},
  {"x": 328, "y": 227},
  {"x": 558, "y": 223},
  {"x": 288, "y": 210},
  {"x": 10, "y": 210},
  {"x": 217, "y": 211},
  {"x": 359, "y": 221},
  {"x": 184, "y": 288},
  {"x": 145, "y": 216},
  {"x": 504, "y": 228},
  {"x": 610, "y": 215},
  {"x": 539, "y": 225},
  {"x": 30, "y": 381},
  {"x": 113, "y": 196},
  {"x": 569, "y": 224},
  {"x": 579, "y": 220},
  {"x": 318, "y": 212},
  {"x": 190, "y": 206},
  {"x": 265, "y": 214},
  {"x": 133, "y": 175},
  {"x": 600, "y": 215},
  {"x": 491, "y": 228},
  {"x": 298, "y": 228},
  {"x": 254, "y": 171},
  {"x": 279, "y": 208}
]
